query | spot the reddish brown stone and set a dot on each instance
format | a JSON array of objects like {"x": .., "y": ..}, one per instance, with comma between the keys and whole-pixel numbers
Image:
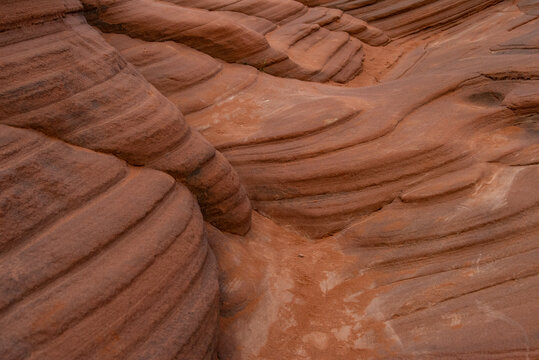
[{"x": 394, "y": 183}]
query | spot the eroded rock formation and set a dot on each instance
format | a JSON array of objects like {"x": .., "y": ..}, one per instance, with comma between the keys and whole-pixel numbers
[
  {"x": 280, "y": 37},
  {"x": 60, "y": 77},
  {"x": 403, "y": 17},
  {"x": 91, "y": 252},
  {"x": 395, "y": 214}
]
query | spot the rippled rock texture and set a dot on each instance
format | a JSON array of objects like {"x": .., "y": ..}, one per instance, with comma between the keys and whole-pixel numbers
[{"x": 269, "y": 179}]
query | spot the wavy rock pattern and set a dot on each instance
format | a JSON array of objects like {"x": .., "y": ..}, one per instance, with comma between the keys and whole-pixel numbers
[
  {"x": 89, "y": 257},
  {"x": 62, "y": 78},
  {"x": 91, "y": 248},
  {"x": 280, "y": 37},
  {"x": 403, "y": 17},
  {"x": 287, "y": 12},
  {"x": 468, "y": 295},
  {"x": 294, "y": 151},
  {"x": 434, "y": 235},
  {"x": 396, "y": 216}
]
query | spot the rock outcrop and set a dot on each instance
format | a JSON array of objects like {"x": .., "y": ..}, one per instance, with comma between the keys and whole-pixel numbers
[
  {"x": 60, "y": 77},
  {"x": 428, "y": 196},
  {"x": 280, "y": 37},
  {"x": 403, "y": 17},
  {"x": 292, "y": 143},
  {"x": 91, "y": 244},
  {"x": 395, "y": 213},
  {"x": 90, "y": 252}
]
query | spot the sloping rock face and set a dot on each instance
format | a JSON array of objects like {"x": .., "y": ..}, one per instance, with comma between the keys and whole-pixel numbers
[
  {"x": 403, "y": 17},
  {"x": 91, "y": 249},
  {"x": 395, "y": 216},
  {"x": 62, "y": 78},
  {"x": 91, "y": 244},
  {"x": 280, "y": 37}
]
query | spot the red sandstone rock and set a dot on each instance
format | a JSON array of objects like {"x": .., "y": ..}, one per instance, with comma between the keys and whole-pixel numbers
[
  {"x": 280, "y": 37},
  {"x": 395, "y": 216},
  {"x": 62, "y": 78},
  {"x": 403, "y": 17},
  {"x": 90, "y": 254}
]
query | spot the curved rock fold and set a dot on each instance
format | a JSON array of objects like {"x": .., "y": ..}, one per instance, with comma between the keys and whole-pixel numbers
[{"x": 254, "y": 179}]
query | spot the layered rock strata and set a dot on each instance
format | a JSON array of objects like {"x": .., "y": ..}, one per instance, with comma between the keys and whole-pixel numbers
[
  {"x": 403, "y": 17},
  {"x": 282, "y": 37},
  {"x": 60, "y": 77},
  {"x": 395, "y": 216},
  {"x": 90, "y": 252}
]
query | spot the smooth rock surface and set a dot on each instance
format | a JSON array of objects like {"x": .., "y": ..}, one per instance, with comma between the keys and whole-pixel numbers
[
  {"x": 280, "y": 37},
  {"x": 90, "y": 252},
  {"x": 60, "y": 77},
  {"x": 389, "y": 151}
]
